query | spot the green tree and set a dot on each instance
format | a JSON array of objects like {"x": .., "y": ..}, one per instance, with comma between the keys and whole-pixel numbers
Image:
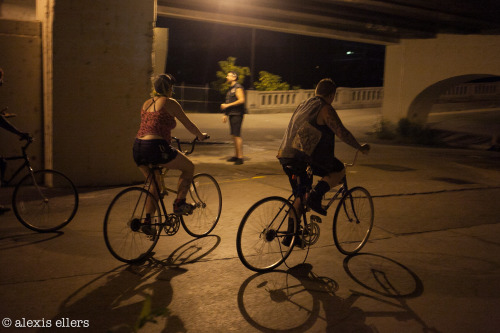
[
  {"x": 226, "y": 66},
  {"x": 270, "y": 82}
]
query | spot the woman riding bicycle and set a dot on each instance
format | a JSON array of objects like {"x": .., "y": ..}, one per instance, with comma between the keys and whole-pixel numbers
[{"x": 152, "y": 142}]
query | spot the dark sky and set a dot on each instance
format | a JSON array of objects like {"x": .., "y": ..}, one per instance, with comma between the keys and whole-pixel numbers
[{"x": 195, "y": 48}]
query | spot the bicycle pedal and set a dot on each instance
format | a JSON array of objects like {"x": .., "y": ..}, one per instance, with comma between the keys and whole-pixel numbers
[{"x": 315, "y": 219}]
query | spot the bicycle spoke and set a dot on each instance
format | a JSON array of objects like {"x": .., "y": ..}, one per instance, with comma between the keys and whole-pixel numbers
[
  {"x": 353, "y": 220},
  {"x": 206, "y": 196},
  {"x": 126, "y": 234},
  {"x": 261, "y": 233},
  {"x": 45, "y": 200}
]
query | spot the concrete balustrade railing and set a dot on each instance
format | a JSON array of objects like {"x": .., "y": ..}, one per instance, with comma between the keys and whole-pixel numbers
[
  {"x": 287, "y": 100},
  {"x": 489, "y": 90}
]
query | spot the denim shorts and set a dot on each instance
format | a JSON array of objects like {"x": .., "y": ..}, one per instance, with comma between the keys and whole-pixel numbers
[
  {"x": 300, "y": 180},
  {"x": 156, "y": 151}
]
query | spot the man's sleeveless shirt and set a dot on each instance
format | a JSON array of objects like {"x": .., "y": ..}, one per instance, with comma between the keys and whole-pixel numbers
[
  {"x": 324, "y": 145},
  {"x": 230, "y": 98}
]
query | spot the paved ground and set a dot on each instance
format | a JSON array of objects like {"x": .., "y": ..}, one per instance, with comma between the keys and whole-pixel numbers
[{"x": 432, "y": 264}]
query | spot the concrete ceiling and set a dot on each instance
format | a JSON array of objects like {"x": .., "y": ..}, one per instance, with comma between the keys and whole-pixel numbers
[{"x": 369, "y": 21}]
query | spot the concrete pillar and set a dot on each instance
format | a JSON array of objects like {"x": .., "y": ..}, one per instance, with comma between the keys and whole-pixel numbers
[
  {"x": 102, "y": 64},
  {"x": 160, "y": 50}
]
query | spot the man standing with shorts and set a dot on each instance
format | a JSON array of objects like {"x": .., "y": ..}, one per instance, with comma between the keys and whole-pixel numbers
[{"x": 234, "y": 107}]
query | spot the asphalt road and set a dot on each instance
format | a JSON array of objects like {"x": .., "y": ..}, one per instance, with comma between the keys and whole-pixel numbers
[{"x": 432, "y": 263}]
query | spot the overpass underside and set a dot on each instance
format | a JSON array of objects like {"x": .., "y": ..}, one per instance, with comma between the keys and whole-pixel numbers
[
  {"x": 89, "y": 67},
  {"x": 430, "y": 47}
]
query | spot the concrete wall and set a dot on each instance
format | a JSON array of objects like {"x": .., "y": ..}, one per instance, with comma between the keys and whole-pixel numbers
[
  {"x": 102, "y": 64},
  {"x": 417, "y": 72},
  {"x": 20, "y": 58}
]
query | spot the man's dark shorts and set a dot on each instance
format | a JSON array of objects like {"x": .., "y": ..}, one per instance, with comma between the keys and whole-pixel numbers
[
  {"x": 153, "y": 152},
  {"x": 235, "y": 124},
  {"x": 300, "y": 181}
]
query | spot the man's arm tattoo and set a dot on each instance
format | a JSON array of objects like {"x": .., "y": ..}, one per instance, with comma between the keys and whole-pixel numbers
[{"x": 335, "y": 124}]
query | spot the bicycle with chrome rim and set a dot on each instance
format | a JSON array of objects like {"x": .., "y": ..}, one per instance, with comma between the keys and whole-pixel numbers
[
  {"x": 43, "y": 200},
  {"x": 131, "y": 235},
  {"x": 273, "y": 221}
]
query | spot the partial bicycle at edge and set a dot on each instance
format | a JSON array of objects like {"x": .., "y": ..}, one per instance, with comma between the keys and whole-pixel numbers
[{"x": 43, "y": 200}]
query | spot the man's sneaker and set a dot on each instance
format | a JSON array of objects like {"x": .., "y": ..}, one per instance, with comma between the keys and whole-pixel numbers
[
  {"x": 181, "y": 207},
  {"x": 238, "y": 161},
  {"x": 232, "y": 159},
  {"x": 314, "y": 202}
]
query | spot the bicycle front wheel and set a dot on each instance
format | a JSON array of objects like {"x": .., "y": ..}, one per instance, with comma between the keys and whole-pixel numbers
[
  {"x": 127, "y": 236},
  {"x": 206, "y": 196},
  {"x": 45, "y": 200},
  {"x": 353, "y": 220},
  {"x": 264, "y": 228}
]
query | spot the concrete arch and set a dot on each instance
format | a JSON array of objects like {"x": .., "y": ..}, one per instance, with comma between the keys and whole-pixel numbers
[
  {"x": 418, "y": 71},
  {"x": 421, "y": 106}
]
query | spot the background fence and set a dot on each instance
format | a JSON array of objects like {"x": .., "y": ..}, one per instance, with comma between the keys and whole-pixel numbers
[{"x": 202, "y": 99}]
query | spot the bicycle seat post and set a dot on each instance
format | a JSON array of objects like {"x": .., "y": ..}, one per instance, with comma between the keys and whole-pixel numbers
[{"x": 157, "y": 173}]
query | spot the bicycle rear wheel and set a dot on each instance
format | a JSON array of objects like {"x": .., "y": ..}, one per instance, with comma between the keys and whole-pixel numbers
[
  {"x": 262, "y": 231},
  {"x": 45, "y": 200},
  {"x": 353, "y": 220},
  {"x": 206, "y": 196},
  {"x": 125, "y": 234}
]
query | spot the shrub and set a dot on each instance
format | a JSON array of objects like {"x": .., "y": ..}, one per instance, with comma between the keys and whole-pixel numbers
[
  {"x": 385, "y": 130},
  {"x": 406, "y": 131}
]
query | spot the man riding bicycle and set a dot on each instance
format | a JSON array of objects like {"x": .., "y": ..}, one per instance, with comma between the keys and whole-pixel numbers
[{"x": 310, "y": 141}]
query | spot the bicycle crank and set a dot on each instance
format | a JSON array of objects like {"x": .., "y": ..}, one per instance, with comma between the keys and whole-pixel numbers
[
  {"x": 310, "y": 234},
  {"x": 172, "y": 224}
]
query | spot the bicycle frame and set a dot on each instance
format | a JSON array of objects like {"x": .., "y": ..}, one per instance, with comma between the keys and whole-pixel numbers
[
  {"x": 154, "y": 171},
  {"x": 155, "y": 177},
  {"x": 340, "y": 193},
  {"x": 26, "y": 164}
]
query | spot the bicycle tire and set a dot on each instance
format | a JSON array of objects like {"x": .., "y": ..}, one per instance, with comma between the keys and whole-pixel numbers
[
  {"x": 45, "y": 200},
  {"x": 206, "y": 196},
  {"x": 353, "y": 220},
  {"x": 123, "y": 228},
  {"x": 261, "y": 232}
]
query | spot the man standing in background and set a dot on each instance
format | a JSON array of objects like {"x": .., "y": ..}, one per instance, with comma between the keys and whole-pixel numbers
[{"x": 234, "y": 107}]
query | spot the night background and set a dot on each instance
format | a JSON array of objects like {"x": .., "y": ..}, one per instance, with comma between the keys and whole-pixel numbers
[{"x": 195, "y": 48}]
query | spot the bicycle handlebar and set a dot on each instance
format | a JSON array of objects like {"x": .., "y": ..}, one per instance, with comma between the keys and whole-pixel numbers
[
  {"x": 353, "y": 161},
  {"x": 29, "y": 140},
  {"x": 355, "y": 158},
  {"x": 192, "y": 143}
]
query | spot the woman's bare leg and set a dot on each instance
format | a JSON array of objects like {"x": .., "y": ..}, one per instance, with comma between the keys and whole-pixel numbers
[{"x": 184, "y": 164}]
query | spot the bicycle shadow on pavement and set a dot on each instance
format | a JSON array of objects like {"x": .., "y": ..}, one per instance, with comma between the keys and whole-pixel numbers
[
  {"x": 387, "y": 278},
  {"x": 135, "y": 296},
  {"x": 26, "y": 239},
  {"x": 189, "y": 252},
  {"x": 125, "y": 299},
  {"x": 291, "y": 300}
]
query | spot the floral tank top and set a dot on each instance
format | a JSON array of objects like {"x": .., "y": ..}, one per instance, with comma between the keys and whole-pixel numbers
[{"x": 158, "y": 122}]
